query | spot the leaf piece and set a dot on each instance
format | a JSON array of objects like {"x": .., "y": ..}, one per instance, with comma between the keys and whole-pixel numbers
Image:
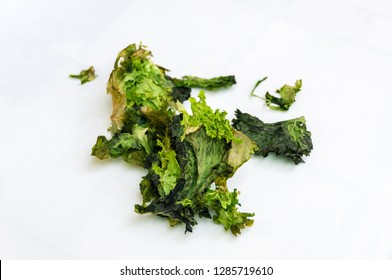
[
  {"x": 289, "y": 138},
  {"x": 168, "y": 168},
  {"x": 224, "y": 205},
  {"x": 210, "y": 84},
  {"x": 136, "y": 81},
  {"x": 85, "y": 76},
  {"x": 215, "y": 122},
  {"x": 181, "y": 94},
  {"x": 287, "y": 97},
  {"x": 132, "y": 147}
]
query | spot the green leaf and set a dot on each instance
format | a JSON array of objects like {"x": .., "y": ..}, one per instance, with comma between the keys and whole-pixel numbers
[
  {"x": 215, "y": 122},
  {"x": 241, "y": 152},
  {"x": 137, "y": 81},
  {"x": 209, "y": 154},
  {"x": 287, "y": 97},
  {"x": 85, "y": 76},
  {"x": 168, "y": 168},
  {"x": 224, "y": 204},
  {"x": 148, "y": 189},
  {"x": 288, "y": 138},
  {"x": 101, "y": 149},
  {"x": 140, "y": 137},
  {"x": 132, "y": 147},
  {"x": 181, "y": 93},
  {"x": 122, "y": 143},
  {"x": 210, "y": 84}
]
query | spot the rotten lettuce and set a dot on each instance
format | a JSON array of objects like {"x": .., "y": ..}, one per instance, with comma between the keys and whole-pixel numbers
[{"x": 189, "y": 156}]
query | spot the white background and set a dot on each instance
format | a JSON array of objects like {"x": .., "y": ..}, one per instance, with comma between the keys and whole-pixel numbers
[{"x": 58, "y": 202}]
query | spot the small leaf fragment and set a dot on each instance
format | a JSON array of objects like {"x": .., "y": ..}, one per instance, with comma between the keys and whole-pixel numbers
[
  {"x": 287, "y": 96},
  {"x": 85, "y": 76}
]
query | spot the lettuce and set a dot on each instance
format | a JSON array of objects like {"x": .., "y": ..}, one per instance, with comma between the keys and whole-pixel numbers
[{"x": 188, "y": 156}]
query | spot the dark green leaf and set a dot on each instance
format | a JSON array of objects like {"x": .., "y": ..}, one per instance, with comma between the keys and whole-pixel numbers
[{"x": 288, "y": 138}]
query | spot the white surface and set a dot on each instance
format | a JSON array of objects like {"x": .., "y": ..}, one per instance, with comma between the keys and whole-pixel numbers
[{"x": 57, "y": 202}]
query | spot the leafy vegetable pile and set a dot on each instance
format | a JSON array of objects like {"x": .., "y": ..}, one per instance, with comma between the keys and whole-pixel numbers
[{"x": 189, "y": 156}]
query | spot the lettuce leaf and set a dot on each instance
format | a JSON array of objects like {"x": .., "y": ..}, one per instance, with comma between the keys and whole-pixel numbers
[{"x": 288, "y": 138}]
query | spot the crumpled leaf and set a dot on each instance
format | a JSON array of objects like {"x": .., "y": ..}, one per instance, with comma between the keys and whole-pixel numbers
[
  {"x": 215, "y": 122},
  {"x": 287, "y": 97},
  {"x": 241, "y": 151},
  {"x": 136, "y": 81},
  {"x": 85, "y": 76},
  {"x": 224, "y": 205},
  {"x": 133, "y": 147},
  {"x": 168, "y": 168},
  {"x": 288, "y": 138}
]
